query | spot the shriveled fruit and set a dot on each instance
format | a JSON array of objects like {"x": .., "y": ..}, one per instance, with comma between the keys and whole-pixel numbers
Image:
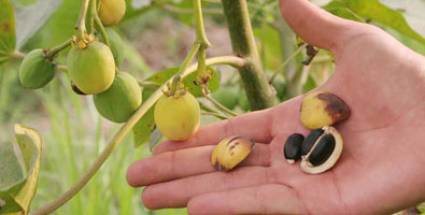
[
  {"x": 322, "y": 109},
  {"x": 177, "y": 117},
  {"x": 91, "y": 69},
  {"x": 230, "y": 152},
  {"x": 36, "y": 70},
  {"x": 121, "y": 100},
  {"x": 111, "y": 11}
]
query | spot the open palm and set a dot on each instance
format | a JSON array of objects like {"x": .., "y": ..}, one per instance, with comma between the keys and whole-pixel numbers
[{"x": 380, "y": 171}]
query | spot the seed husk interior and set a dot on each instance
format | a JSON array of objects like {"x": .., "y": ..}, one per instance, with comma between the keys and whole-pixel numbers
[
  {"x": 292, "y": 148},
  {"x": 310, "y": 140},
  {"x": 322, "y": 165}
]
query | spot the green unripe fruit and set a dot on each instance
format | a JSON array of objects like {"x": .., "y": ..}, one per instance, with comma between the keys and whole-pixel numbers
[
  {"x": 111, "y": 11},
  {"x": 116, "y": 45},
  {"x": 227, "y": 96},
  {"x": 36, "y": 70},
  {"x": 121, "y": 100},
  {"x": 91, "y": 69},
  {"x": 177, "y": 118}
]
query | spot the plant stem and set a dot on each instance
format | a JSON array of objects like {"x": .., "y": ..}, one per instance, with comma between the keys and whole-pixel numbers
[
  {"x": 148, "y": 84},
  {"x": 17, "y": 55},
  {"x": 201, "y": 36},
  {"x": 125, "y": 129},
  {"x": 51, "y": 53},
  {"x": 177, "y": 10},
  {"x": 259, "y": 93},
  {"x": 219, "y": 106},
  {"x": 102, "y": 30},
  {"x": 203, "y": 74},
  {"x": 62, "y": 68},
  {"x": 92, "y": 15},
  {"x": 81, "y": 26},
  {"x": 217, "y": 115},
  {"x": 189, "y": 58},
  {"x": 287, "y": 60}
]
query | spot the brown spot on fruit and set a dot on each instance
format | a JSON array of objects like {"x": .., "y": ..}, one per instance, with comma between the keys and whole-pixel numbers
[{"x": 336, "y": 107}]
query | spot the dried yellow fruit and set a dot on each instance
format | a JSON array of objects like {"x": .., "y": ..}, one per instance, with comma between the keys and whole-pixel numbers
[
  {"x": 230, "y": 152},
  {"x": 322, "y": 109}
]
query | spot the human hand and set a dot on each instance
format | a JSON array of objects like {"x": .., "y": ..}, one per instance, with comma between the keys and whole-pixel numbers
[{"x": 381, "y": 168}]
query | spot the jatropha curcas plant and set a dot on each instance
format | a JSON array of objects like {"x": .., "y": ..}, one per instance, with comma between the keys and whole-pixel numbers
[
  {"x": 92, "y": 69},
  {"x": 173, "y": 101}
]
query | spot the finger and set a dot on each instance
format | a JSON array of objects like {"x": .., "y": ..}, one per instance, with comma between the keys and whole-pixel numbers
[
  {"x": 177, "y": 193},
  {"x": 265, "y": 199},
  {"x": 254, "y": 125},
  {"x": 313, "y": 24},
  {"x": 183, "y": 163}
]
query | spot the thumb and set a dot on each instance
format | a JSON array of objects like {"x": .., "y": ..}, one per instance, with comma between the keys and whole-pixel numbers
[{"x": 315, "y": 25}]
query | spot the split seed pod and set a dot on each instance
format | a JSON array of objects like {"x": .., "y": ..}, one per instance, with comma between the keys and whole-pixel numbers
[
  {"x": 322, "y": 109},
  {"x": 324, "y": 153},
  {"x": 292, "y": 148},
  {"x": 230, "y": 152},
  {"x": 310, "y": 140}
]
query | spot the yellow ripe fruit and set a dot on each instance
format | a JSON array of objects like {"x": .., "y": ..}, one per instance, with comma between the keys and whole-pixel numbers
[
  {"x": 177, "y": 118},
  {"x": 230, "y": 152},
  {"x": 111, "y": 11},
  {"x": 322, "y": 109},
  {"x": 91, "y": 69}
]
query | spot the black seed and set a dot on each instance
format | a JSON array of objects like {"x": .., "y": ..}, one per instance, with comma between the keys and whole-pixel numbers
[
  {"x": 323, "y": 150},
  {"x": 292, "y": 148},
  {"x": 310, "y": 140}
]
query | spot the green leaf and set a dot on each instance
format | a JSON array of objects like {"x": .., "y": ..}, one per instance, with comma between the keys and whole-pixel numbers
[
  {"x": 143, "y": 129},
  {"x": 12, "y": 167},
  {"x": 309, "y": 84},
  {"x": 7, "y": 28},
  {"x": 269, "y": 46},
  {"x": 59, "y": 26},
  {"x": 375, "y": 12},
  {"x": 421, "y": 207},
  {"x": 189, "y": 82},
  {"x": 27, "y": 151},
  {"x": 31, "y": 18}
]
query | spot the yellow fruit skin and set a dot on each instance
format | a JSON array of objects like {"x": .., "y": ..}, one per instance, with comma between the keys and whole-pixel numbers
[
  {"x": 91, "y": 69},
  {"x": 177, "y": 118},
  {"x": 322, "y": 109},
  {"x": 111, "y": 11}
]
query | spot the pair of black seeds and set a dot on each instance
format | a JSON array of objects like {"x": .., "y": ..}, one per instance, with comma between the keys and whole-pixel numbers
[{"x": 296, "y": 147}]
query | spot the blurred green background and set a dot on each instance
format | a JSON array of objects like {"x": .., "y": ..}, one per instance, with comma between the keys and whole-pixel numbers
[{"x": 156, "y": 35}]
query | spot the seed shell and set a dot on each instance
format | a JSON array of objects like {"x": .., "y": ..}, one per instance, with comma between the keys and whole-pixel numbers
[{"x": 309, "y": 168}]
